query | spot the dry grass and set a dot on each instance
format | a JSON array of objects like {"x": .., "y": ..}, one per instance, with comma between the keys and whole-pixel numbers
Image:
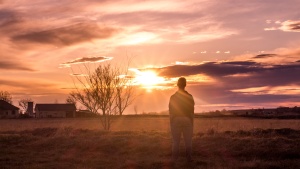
[
  {"x": 149, "y": 124},
  {"x": 145, "y": 143},
  {"x": 89, "y": 149}
]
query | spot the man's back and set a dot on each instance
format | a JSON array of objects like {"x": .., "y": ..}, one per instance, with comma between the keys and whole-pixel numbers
[{"x": 181, "y": 104}]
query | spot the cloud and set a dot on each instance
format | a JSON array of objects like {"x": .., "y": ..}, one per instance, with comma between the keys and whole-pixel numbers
[
  {"x": 214, "y": 69},
  {"x": 241, "y": 82},
  {"x": 13, "y": 65},
  {"x": 274, "y": 86},
  {"x": 7, "y": 17},
  {"x": 286, "y": 26},
  {"x": 141, "y": 22},
  {"x": 10, "y": 22},
  {"x": 268, "y": 21},
  {"x": 278, "y": 22},
  {"x": 240, "y": 63},
  {"x": 290, "y": 26},
  {"x": 271, "y": 29},
  {"x": 218, "y": 94},
  {"x": 277, "y": 57},
  {"x": 264, "y": 56},
  {"x": 68, "y": 35},
  {"x": 25, "y": 83},
  {"x": 78, "y": 74},
  {"x": 167, "y": 26},
  {"x": 289, "y": 90},
  {"x": 87, "y": 60}
]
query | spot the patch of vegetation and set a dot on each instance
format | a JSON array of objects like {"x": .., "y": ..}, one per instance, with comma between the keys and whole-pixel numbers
[{"x": 88, "y": 149}]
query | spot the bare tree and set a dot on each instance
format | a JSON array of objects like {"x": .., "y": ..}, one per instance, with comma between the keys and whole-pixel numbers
[
  {"x": 105, "y": 89},
  {"x": 23, "y": 103},
  {"x": 6, "y": 96},
  {"x": 136, "y": 109},
  {"x": 125, "y": 93},
  {"x": 71, "y": 100},
  {"x": 84, "y": 96}
]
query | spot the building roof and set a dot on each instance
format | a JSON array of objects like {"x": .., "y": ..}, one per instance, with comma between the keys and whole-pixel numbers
[
  {"x": 55, "y": 107},
  {"x": 7, "y": 106}
]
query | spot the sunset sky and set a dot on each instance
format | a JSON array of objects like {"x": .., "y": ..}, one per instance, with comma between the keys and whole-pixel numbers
[{"x": 235, "y": 54}]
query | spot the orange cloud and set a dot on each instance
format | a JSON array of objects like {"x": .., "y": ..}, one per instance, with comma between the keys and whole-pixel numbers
[
  {"x": 290, "y": 26},
  {"x": 86, "y": 60},
  {"x": 286, "y": 26},
  {"x": 14, "y": 65},
  {"x": 68, "y": 35}
]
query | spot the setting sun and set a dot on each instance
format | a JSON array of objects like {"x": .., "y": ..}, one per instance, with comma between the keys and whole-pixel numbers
[{"x": 148, "y": 79}]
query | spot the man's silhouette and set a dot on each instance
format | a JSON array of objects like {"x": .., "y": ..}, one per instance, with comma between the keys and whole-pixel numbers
[{"x": 181, "y": 109}]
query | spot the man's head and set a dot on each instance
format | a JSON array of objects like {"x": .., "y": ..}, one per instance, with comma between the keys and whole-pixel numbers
[{"x": 181, "y": 83}]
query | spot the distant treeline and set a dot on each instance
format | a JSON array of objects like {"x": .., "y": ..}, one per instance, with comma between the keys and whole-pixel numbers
[{"x": 280, "y": 112}]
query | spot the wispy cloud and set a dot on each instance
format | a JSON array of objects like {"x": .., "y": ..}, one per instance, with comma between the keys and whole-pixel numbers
[
  {"x": 78, "y": 74},
  {"x": 278, "y": 90},
  {"x": 290, "y": 26},
  {"x": 162, "y": 20},
  {"x": 67, "y": 35},
  {"x": 241, "y": 81},
  {"x": 214, "y": 69},
  {"x": 7, "y": 18},
  {"x": 286, "y": 26},
  {"x": 14, "y": 65},
  {"x": 24, "y": 84},
  {"x": 271, "y": 29},
  {"x": 280, "y": 56},
  {"x": 86, "y": 60},
  {"x": 264, "y": 56}
]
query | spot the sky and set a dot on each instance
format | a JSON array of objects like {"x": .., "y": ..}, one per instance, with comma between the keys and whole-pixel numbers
[{"x": 235, "y": 54}]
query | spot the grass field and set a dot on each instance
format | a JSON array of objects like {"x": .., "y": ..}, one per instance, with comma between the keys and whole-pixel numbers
[
  {"x": 145, "y": 142},
  {"x": 154, "y": 123}
]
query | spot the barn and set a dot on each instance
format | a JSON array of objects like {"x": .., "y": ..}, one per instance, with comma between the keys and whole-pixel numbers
[
  {"x": 8, "y": 110},
  {"x": 55, "y": 110}
]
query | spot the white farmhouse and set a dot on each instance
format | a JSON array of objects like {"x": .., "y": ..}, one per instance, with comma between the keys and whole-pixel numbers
[
  {"x": 8, "y": 110},
  {"x": 55, "y": 110}
]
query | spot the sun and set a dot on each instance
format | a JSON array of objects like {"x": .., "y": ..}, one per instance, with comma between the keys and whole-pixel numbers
[{"x": 148, "y": 79}]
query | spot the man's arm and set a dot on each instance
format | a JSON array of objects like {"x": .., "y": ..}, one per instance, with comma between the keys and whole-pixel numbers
[
  {"x": 171, "y": 109},
  {"x": 192, "y": 113}
]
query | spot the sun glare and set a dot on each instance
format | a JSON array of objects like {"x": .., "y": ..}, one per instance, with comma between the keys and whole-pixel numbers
[
  {"x": 148, "y": 79},
  {"x": 138, "y": 38}
]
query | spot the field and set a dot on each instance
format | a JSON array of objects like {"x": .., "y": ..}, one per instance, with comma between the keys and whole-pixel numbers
[
  {"x": 150, "y": 123},
  {"x": 144, "y": 142}
]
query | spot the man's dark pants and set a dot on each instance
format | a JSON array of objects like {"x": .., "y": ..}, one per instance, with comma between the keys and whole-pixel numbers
[{"x": 181, "y": 125}]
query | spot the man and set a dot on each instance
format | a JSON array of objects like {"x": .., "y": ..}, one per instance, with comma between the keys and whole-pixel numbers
[{"x": 181, "y": 109}]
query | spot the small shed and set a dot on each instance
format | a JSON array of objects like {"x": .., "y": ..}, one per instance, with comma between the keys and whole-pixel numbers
[
  {"x": 8, "y": 110},
  {"x": 55, "y": 110}
]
